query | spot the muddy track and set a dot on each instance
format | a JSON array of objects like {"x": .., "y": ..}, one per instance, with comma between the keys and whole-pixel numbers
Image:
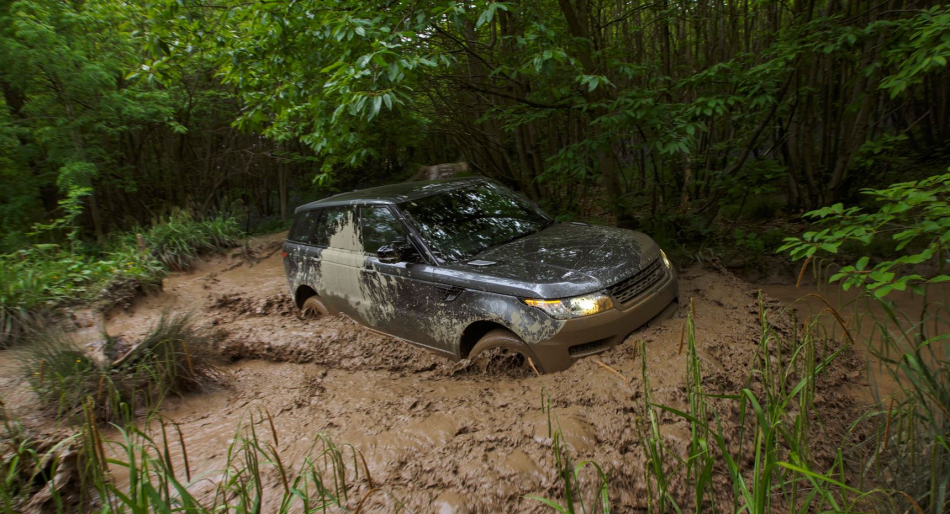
[{"x": 436, "y": 435}]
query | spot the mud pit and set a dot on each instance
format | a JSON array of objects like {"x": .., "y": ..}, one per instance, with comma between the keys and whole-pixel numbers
[{"x": 434, "y": 434}]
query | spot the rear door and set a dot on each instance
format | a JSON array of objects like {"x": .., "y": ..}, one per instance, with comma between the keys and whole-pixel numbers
[{"x": 341, "y": 261}]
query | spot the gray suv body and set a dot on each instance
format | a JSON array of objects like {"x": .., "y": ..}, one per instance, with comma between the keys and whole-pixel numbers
[{"x": 459, "y": 266}]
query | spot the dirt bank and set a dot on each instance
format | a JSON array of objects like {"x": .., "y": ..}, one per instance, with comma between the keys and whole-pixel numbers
[{"x": 437, "y": 436}]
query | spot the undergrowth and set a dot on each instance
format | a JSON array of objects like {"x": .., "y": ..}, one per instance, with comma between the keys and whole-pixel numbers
[
  {"x": 180, "y": 239},
  {"x": 120, "y": 379},
  {"x": 37, "y": 280},
  {"x": 768, "y": 464}
]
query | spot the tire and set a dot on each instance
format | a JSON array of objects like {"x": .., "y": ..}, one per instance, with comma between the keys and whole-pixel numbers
[
  {"x": 313, "y": 307},
  {"x": 500, "y": 351}
]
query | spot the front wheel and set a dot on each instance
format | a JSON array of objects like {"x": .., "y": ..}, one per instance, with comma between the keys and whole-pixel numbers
[
  {"x": 313, "y": 307},
  {"x": 502, "y": 352}
]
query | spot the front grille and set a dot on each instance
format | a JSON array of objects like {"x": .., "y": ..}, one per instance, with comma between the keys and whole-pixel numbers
[{"x": 638, "y": 283}]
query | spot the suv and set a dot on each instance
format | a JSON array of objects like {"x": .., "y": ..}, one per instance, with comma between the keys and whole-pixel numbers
[{"x": 464, "y": 267}]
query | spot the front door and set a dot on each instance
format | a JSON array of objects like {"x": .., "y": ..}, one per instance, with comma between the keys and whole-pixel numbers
[{"x": 400, "y": 298}]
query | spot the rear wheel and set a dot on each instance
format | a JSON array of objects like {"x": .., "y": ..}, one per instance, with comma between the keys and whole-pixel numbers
[
  {"x": 501, "y": 352},
  {"x": 313, "y": 307}
]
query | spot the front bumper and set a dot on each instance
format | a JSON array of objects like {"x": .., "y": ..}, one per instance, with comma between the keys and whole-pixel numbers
[{"x": 590, "y": 335}]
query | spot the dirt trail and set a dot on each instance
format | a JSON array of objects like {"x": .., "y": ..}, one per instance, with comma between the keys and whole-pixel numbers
[{"x": 435, "y": 435}]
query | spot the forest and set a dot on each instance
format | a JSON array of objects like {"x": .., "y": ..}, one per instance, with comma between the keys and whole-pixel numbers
[
  {"x": 643, "y": 113},
  {"x": 152, "y": 155}
]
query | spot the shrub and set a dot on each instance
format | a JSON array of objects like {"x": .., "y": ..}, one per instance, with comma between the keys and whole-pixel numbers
[
  {"x": 178, "y": 241},
  {"x": 172, "y": 358},
  {"x": 34, "y": 281}
]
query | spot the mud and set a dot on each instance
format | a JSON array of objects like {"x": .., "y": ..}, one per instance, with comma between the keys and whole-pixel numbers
[{"x": 435, "y": 434}]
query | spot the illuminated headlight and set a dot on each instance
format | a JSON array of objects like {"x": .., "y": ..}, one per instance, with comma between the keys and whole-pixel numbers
[
  {"x": 666, "y": 260},
  {"x": 576, "y": 307}
]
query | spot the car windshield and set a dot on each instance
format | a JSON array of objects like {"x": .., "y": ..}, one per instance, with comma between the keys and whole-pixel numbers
[{"x": 462, "y": 223}]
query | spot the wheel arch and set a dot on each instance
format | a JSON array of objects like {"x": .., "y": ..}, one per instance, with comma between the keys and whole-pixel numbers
[
  {"x": 302, "y": 293},
  {"x": 474, "y": 332}
]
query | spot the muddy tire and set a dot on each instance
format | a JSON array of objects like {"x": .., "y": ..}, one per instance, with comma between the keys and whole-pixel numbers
[
  {"x": 313, "y": 307},
  {"x": 501, "y": 352}
]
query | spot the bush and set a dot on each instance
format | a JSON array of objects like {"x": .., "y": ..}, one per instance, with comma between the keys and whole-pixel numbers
[
  {"x": 178, "y": 241},
  {"x": 172, "y": 358},
  {"x": 36, "y": 280},
  {"x": 33, "y": 281}
]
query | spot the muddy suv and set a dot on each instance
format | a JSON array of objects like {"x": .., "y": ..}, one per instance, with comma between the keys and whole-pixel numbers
[{"x": 466, "y": 268}]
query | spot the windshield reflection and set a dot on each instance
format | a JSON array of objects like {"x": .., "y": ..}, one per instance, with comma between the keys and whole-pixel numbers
[{"x": 462, "y": 223}]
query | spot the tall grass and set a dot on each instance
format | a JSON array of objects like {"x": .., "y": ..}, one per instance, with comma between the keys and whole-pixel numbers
[
  {"x": 35, "y": 469},
  {"x": 147, "y": 470},
  {"x": 180, "y": 239},
  {"x": 911, "y": 453},
  {"x": 775, "y": 435},
  {"x": 156, "y": 480},
  {"x": 569, "y": 474},
  {"x": 767, "y": 452},
  {"x": 172, "y": 358},
  {"x": 35, "y": 281}
]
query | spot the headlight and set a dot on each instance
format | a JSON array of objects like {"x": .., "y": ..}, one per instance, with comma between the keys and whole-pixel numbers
[
  {"x": 666, "y": 260},
  {"x": 576, "y": 307}
]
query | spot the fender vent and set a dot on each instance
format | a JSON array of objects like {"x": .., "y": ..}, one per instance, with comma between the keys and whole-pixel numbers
[{"x": 450, "y": 292}]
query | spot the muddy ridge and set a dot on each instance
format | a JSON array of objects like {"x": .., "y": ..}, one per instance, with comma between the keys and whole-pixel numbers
[{"x": 434, "y": 434}]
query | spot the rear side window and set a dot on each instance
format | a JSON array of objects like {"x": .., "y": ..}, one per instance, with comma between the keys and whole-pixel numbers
[
  {"x": 303, "y": 230},
  {"x": 329, "y": 224},
  {"x": 380, "y": 227}
]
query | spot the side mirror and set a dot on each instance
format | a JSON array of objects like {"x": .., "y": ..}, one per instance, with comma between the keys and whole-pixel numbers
[{"x": 396, "y": 252}]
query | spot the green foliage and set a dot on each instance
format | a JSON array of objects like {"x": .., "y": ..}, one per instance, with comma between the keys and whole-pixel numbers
[
  {"x": 923, "y": 46},
  {"x": 31, "y": 463},
  {"x": 173, "y": 357},
  {"x": 552, "y": 97},
  {"x": 914, "y": 215},
  {"x": 178, "y": 240},
  {"x": 36, "y": 280}
]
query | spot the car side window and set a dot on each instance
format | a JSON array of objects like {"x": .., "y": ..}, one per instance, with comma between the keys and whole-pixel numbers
[
  {"x": 380, "y": 227},
  {"x": 303, "y": 230},
  {"x": 328, "y": 225}
]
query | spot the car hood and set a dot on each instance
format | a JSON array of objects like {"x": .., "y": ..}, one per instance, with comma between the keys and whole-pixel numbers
[{"x": 566, "y": 259}]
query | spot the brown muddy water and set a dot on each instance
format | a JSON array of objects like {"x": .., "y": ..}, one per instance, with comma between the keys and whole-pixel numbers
[{"x": 436, "y": 435}]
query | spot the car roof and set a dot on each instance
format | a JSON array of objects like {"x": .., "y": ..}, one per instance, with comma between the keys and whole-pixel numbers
[{"x": 393, "y": 193}]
